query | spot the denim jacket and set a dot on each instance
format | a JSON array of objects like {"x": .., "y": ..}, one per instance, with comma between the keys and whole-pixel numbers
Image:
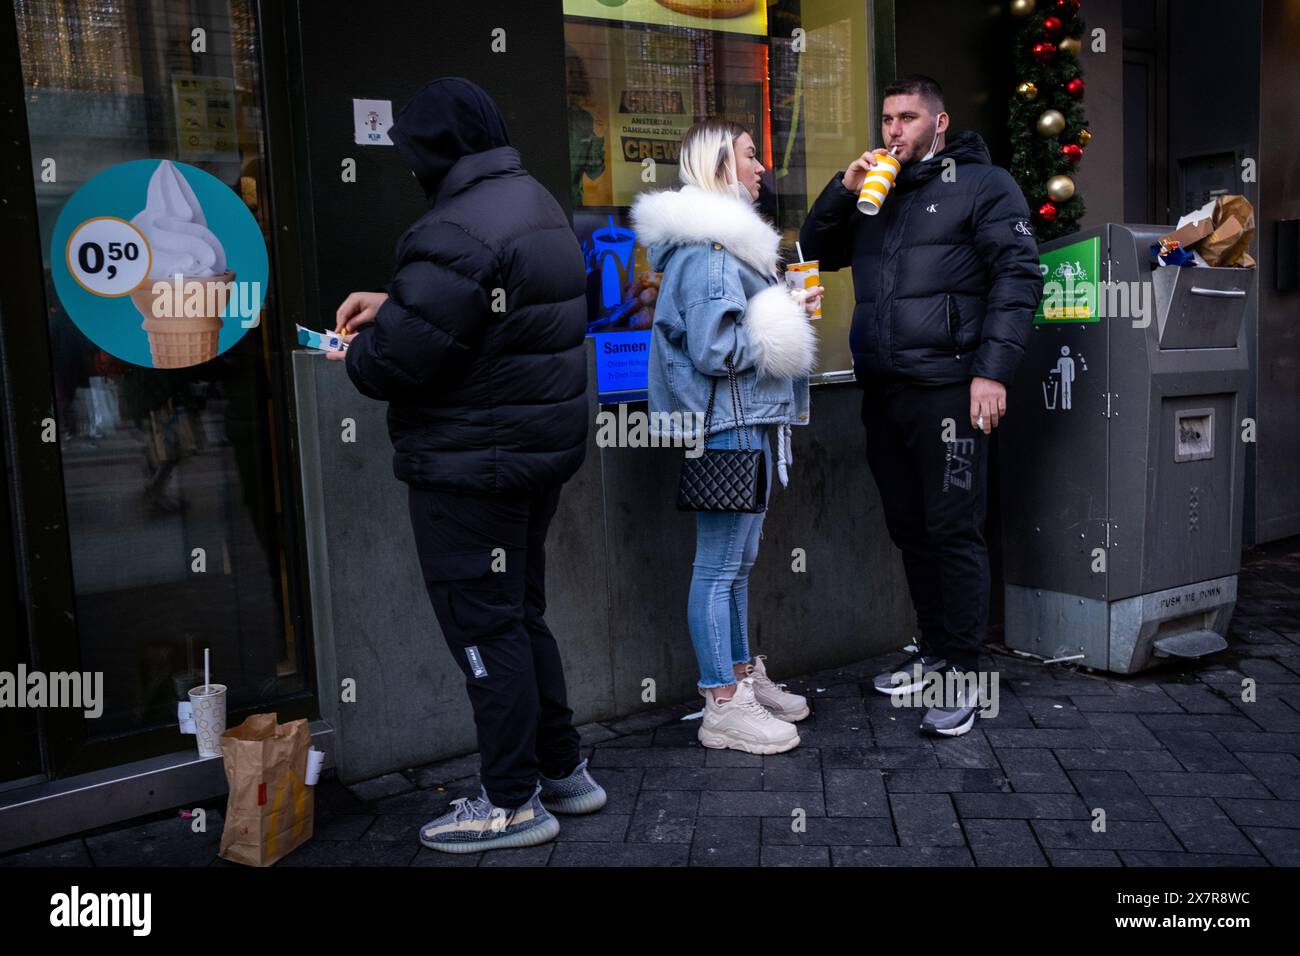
[{"x": 721, "y": 295}]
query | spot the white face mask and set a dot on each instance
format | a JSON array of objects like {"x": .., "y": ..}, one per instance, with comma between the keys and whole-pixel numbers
[
  {"x": 736, "y": 186},
  {"x": 934, "y": 142}
]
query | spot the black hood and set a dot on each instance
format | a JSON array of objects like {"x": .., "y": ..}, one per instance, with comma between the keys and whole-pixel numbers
[
  {"x": 447, "y": 120},
  {"x": 965, "y": 146}
]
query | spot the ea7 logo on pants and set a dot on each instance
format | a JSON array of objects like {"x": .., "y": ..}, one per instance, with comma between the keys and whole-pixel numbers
[
  {"x": 475, "y": 661},
  {"x": 957, "y": 463}
]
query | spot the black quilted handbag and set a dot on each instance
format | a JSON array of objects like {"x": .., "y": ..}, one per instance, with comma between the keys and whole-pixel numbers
[{"x": 724, "y": 479}]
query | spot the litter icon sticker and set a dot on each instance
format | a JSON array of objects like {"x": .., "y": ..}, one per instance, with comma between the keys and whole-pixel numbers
[{"x": 1058, "y": 383}]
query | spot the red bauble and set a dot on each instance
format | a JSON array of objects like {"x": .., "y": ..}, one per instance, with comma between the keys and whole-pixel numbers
[
  {"x": 1067, "y": 7},
  {"x": 1047, "y": 212},
  {"x": 1075, "y": 87},
  {"x": 1052, "y": 26},
  {"x": 1043, "y": 52},
  {"x": 1072, "y": 151}
]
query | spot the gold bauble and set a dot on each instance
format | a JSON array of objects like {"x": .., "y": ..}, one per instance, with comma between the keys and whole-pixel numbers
[
  {"x": 1069, "y": 46},
  {"x": 1022, "y": 8},
  {"x": 1060, "y": 188},
  {"x": 1084, "y": 137},
  {"x": 1051, "y": 123},
  {"x": 1027, "y": 91}
]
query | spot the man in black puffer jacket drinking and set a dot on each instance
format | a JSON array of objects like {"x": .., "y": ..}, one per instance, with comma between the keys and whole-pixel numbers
[
  {"x": 477, "y": 346},
  {"x": 946, "y": 281}
]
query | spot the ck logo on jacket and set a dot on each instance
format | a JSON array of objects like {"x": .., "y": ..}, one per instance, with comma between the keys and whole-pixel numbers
[{"x": 933, "y": 207}]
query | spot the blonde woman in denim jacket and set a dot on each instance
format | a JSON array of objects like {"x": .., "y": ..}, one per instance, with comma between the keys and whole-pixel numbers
[{"x": 722, "y": 297}]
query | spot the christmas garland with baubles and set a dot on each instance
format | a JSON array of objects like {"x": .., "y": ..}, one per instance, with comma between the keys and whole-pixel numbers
[{"x": 1047, "y": 126}]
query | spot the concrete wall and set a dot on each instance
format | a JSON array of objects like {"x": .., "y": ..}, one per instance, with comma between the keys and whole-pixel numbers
[
  {"x": 1275, "y": 479},
  {"x": 1101, "y": 174},
  {"x": 350, "y": 228},
  {"x": 618, "y": 569},
  {"x": 967, "y": 48},
  {"x": 1215, "y": 110}
]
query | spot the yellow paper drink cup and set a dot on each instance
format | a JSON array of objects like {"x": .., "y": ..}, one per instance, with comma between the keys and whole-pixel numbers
[{"x": 879, "y": 181}]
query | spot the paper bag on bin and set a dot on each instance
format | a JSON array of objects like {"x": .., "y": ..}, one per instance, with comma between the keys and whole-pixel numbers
[
  {"x": 1189, "y": 235},
  {"x": 271, "y": 809},
  {"x": 1234, "y": 225},
  {"x": 1221, "y": 235}
]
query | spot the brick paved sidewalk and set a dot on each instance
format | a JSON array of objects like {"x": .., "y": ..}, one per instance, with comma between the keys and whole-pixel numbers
[{"x": 1187, "y": 774}]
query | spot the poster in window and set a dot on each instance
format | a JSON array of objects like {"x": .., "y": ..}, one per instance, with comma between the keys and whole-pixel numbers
[
  {"x": 652, "y": 87},
  {"x": 586, "y": 86},
  {"x": 205, "y": 118},
  {"x": 726, "y": 16}
]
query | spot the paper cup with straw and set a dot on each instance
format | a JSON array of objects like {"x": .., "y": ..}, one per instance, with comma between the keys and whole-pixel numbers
[
  {"x": 804, "y": 274},
  {"x": 209, "y": 702},
  {"x": 879, "y": 181}
]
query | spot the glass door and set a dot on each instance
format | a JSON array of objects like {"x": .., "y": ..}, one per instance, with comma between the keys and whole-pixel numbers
[{"x": 148, "y": 158}]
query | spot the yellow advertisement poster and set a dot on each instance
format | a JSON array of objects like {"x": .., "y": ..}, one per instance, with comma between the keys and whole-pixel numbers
[
  {"x": 652, "y": 105},
  {"x": 727, "y": 16}
]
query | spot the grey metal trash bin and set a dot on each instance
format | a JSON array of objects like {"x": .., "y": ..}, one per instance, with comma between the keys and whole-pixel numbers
[{"x": 1122, "y": 458}]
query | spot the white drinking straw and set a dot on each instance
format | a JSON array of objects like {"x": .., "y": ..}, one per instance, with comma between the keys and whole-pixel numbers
[
  {"x": 206, "y": 672},
  {"x": 798, "y": 250}
]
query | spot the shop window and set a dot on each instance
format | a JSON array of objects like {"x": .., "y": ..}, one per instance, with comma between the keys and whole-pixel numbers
[{"x": 639, "y": 73}]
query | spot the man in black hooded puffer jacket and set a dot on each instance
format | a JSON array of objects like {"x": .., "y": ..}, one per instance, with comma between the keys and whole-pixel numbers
[
  {"x": 946, "y": 281},
  {"x": 477, "y": 346}
]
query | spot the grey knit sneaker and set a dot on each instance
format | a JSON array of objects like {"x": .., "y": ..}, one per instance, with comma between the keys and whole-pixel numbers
[
  {"x": 474, "y": 825},
  {"x": 576, "y": 793}
]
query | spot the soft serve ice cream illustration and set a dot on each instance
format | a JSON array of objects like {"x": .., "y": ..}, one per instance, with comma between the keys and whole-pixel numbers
[{"x": 188, "y": 286}]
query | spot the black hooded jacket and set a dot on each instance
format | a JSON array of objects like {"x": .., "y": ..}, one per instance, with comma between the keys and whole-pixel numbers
[
  {"x": 479, "y": 348},
  {"x": 945, "y": 276}
]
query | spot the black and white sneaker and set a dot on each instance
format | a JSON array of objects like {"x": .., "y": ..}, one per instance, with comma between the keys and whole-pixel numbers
[
  {"x": 961, "y": 704},
  {"x": 908, "y": 677}
]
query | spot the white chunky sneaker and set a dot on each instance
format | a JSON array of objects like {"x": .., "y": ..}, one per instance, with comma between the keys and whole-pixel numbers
[
  {"x": 742, "y": 723},
  {"x": 783, "y": 705}
]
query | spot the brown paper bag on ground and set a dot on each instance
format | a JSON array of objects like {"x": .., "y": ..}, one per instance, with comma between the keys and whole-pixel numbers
[
  {"x": 1234, "y": 225},
  {"x": 271, "y": 810}
]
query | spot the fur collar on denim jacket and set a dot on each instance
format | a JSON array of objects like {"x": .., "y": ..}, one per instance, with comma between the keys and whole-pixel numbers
[
  {"x": 784, "y": 342},
  {"x": 690, "y": 214}
]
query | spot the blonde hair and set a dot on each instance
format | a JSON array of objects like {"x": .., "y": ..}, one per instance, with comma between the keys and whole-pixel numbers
[{"x": 708, "y": 153}]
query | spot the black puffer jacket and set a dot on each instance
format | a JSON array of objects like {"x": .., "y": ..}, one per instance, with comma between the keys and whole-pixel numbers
[
  {"x": 945, "y": 277},
  {"x": 479, "y": 348}
]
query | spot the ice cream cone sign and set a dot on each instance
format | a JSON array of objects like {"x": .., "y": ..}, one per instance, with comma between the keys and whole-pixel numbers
[{"x": 169, "y": 246}]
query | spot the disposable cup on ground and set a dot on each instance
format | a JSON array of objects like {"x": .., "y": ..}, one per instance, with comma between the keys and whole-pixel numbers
[{"x": 209, "y": 702}]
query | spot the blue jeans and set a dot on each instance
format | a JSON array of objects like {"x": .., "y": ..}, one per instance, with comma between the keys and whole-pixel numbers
[{"x": 726, "y": 544}]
